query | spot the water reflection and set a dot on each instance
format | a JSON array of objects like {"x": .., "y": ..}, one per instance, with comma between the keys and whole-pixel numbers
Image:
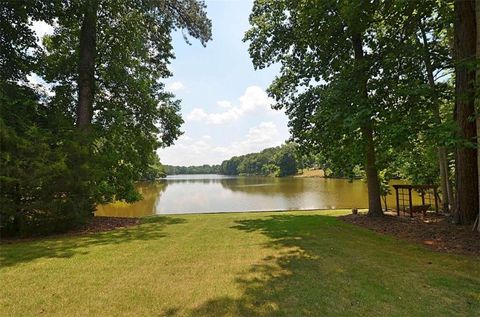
[
  {"x": 151, "y": 192},
  {"x": 267, "y": 186},
  {"x": 216, "y": 193}
]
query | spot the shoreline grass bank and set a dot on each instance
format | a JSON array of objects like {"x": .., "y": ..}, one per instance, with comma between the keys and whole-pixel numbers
[{"x": 236, "y": 264}]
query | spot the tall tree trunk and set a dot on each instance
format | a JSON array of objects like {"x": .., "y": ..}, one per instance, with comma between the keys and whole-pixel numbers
[
  {"x": 442, "y": 151},
  {"x": 373, "y": 183},
  {"x": 477, "y": 96},
  {"x": 445, "y": 184},
  {"x": 86, "y": 66},
  {"x": 444, "y": 180},
  {"x": 466, "y": 157}
]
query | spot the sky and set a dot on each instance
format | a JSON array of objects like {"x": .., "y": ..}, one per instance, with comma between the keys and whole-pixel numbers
[{"x": 224, "y": 104}]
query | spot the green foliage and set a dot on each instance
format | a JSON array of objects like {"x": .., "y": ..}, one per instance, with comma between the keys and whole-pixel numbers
[
  {"x": 286, "y": 160},
  {"x": 270, "y": 170},
  {"x": 133, "y": 115},
  {"x": 278, "y": 161},
  {"x": 52, "y": 174},
  {"x": 320, "y": 82},
  {"x": 230, "y": 167},
  {"x": 19, "y": 50},
  {"x": 43, "y": 189},
  {"x": 202, "y": 169},
  {"x": 154, "y": 170},
  {"x": 419, "y": 164}
]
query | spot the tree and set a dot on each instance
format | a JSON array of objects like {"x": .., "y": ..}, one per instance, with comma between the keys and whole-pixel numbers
[
  {"x": 436, "y": 59},
  {"x": 327, "y": 80},
  {"x": 19, "y": 49},
  {"x": 278, "y": 161},
  {"x": 203, "y": 169},
  {"x": 39, "y": 193},
  {"x": 155, "y": 169},
  {"x": 156, "y": 16},
  {"x": 114, "y": 66},
  {"x": 286, "y": 160},
  {"x": 419, "y": 31},
  {"x": 86, "y": 64},
  {"x": 466, "y": 156},
  {"x": 477, "y": 97},
  {"x": 230, "y": 167},
  {"x": 96, "y": 135}
]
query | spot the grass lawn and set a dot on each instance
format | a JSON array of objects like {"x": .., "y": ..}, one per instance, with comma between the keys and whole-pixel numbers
[{"x": 238, "y": 264}]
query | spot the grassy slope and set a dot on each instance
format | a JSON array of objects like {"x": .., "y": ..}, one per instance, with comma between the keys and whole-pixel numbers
[{"x": 249, "y": 264}]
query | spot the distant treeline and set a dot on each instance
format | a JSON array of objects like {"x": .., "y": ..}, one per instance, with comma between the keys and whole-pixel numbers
[
  {"x": 202, "y": 169},
  {"x": 277, "y": 161}
]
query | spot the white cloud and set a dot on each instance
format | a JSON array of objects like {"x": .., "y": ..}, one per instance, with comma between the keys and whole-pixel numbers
[
  {"x": 36, "y": 82},
  {"x": 252, "y": 101},
  {"x": 264, "y": 135},
  {"x": 175, "y": 86},
  {"x": 224, "y": 104},
  {"x": 41, "y": 29},
  {"x": 197, "y": 151},
  {"x": 197, "y": 114}
]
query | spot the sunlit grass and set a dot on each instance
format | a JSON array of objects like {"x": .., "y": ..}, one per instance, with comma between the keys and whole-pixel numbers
[{"x": 238, "y": 264}]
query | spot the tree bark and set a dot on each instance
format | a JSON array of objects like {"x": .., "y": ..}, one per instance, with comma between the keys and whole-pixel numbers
[
  {"x": 477, "y": 98},
  {"x": 373, "y": 183},
  {"x": 86, "y": 66},
  {"x": 466, "y": 156},
  {"x": 442, "y": 151}
]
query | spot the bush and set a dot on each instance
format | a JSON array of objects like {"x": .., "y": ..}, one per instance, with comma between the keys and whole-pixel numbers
[{"x": 43, "y": 187}]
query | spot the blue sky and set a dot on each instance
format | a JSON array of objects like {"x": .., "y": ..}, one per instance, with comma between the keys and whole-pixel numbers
[{"x": 224, "y": 104}]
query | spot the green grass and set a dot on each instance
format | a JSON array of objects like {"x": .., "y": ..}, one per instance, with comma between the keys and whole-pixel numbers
[{"x": 248, "y": 264}]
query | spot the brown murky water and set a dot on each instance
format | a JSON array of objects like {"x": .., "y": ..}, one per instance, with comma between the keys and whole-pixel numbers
[{"x": 217, "y": 193}]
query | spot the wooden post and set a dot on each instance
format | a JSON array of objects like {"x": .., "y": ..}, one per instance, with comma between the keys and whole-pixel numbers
[
  {"x": 410, "y": 201},
  {"x": 398, "y": 203},
  {"x": 436, "y": 199}
]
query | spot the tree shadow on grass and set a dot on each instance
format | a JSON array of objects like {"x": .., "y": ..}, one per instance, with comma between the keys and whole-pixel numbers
[
  {"x": 68, "y": 246},
  {"x": 321, "y": 266}
]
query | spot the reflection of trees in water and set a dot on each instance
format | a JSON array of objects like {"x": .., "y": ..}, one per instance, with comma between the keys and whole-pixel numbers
[
  {"x": 192, "y": 180},
  {"x": 268, "y": 186},
  {"x": 151, "y": 192}
]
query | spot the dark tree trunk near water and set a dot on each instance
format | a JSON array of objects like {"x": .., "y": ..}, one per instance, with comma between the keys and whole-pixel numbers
[
  {"x": 466, "y": 156},
  {"x": 86, "y": 67},
  {"x": 477, "y": 97},
  {"x": 373, "y": 183}
]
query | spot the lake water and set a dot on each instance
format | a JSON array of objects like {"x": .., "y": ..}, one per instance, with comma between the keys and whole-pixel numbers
[{"x": 217, "y": 193}]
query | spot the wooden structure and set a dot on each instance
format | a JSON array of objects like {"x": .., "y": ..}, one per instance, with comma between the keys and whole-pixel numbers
[{"x": 403, "y": 194}]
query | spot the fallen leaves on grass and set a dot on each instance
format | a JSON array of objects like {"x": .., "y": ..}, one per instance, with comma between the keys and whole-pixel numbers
[{"x": 434, "y": 231}]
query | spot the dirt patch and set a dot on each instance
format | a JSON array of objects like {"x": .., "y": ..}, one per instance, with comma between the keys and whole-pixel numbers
[
  {"x": 434, "y": 231},
  {"x": 94, "y": 225},
  {"x": 99, "y": 224}
]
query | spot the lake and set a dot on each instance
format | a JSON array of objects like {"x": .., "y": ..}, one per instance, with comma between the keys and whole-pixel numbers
[{"x": 217, "y": 193}]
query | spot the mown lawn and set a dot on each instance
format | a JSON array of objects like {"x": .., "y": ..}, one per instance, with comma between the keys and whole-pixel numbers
[{"x": 248, "y": 264}]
